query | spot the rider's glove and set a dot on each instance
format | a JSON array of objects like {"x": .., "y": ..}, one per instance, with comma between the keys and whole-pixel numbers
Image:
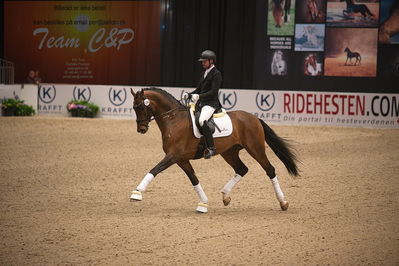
[
  {"x": 185, "y": 96},
  {"x": 195, "y": 97}
]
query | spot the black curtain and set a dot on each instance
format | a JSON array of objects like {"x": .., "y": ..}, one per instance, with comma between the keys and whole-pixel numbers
[
  {"x": 191, "y": 26},
  {"x": 2, "y": 29},
  {"x": 237, "y": 31}
]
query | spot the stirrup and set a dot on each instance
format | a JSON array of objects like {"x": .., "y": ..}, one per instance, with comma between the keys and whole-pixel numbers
[{"x": 209, "y": 152}]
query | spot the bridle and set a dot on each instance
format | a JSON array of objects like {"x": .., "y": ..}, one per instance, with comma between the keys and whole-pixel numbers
[{"x": 150, "y": 115}]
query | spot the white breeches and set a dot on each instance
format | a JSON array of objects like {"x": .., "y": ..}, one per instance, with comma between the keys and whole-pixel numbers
[{"x": 206, "y": 113}]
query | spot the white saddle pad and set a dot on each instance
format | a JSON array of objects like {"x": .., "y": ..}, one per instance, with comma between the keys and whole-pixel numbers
[{"x": 223, "y": 122}]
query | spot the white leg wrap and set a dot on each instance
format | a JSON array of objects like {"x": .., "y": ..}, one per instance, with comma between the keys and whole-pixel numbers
[
  {"x": 201, "y": 194},
  {"x": 232, "y": 182},
  {"x": 145, "y": 182},
  {"x": 277, "y": 189}
]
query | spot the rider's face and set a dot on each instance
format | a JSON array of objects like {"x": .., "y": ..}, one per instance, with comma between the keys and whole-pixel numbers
[{"x": 206, "y": 64}]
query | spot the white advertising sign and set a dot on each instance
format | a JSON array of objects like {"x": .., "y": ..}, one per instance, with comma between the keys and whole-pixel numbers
[
  {"x": 276, "y": 107},
  {"x": 26, "y": 92},
  {"x": 312, "y": 108}
]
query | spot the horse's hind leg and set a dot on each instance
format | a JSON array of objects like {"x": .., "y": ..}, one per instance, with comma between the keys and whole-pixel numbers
[
  {"x": 188, "y": 169},
  {"x": 231, "y": 156},
  {"x": 257, "y": 150}
]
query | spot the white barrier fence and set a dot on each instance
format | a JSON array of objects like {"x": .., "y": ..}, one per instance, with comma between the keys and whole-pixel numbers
[
  {"x": 27, "y": 93},
  {"x": 276, "y": 107}
]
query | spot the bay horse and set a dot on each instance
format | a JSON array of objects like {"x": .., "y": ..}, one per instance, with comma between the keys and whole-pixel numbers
[
  {"x": 350, "y": 55},
  {"x": 313, "y": 10},
  {"x": 277, "y": 9},
  {"x": 180, "y": 145},
  {"x": 310, "y": 66}
]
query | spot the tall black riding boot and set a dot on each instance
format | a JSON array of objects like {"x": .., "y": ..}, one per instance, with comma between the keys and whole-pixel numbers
[{"x": 210, "y": 151}]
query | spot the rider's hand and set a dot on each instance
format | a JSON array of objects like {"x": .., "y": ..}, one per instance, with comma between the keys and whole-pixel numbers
[
  {"x": 195, "y": 97},
  {"x": 185, "y": 96}
]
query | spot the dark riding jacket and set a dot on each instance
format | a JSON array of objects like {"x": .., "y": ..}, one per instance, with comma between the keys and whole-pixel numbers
[{"x": 208, "y": 89}]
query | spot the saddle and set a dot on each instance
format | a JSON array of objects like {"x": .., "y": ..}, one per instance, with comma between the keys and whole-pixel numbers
[{"x": 220, "y": 123}]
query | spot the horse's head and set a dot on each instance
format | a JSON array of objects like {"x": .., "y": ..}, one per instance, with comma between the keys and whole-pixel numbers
[
  {"x": 346, "y": 50},
  {"x": 141, "y": 106},
  {"x": 312, "y": 60},
  {"x": 278, "y": 56}
]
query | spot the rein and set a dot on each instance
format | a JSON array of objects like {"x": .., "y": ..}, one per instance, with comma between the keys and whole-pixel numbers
[{"x": 152, "y": 117}]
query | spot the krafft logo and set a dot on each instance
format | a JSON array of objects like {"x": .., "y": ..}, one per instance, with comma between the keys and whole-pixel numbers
[
  {"x": 81, "y": 93},
  {"x": 117, "y": 96},
  {"x": 47, "y": 94},
  {"x": 265, "y": 101},
  {"x": 228, "y": 99}
]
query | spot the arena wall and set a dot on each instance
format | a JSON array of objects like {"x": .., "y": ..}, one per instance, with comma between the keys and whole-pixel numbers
[{"x": 370, "y": 110}]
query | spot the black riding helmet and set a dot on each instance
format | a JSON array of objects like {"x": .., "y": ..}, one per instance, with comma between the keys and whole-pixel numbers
[{"x": 207, "y": 55}]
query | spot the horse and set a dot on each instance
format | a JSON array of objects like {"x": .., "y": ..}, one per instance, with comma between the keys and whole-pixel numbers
[
  {"x": 350, "y": 55},
  {"x": 352, "y": 8},
  {"x": 310, "y": 66},
  {"x": 180, "y": 145},
  {"x": 313, "y": 11},
  {"x": 310, "y": 32},
  {"x": 277, "y": 7},
  {"x": 287, "y": 7}
]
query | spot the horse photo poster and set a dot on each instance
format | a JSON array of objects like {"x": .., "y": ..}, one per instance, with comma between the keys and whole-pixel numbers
[{"x": 332, "y": 38}]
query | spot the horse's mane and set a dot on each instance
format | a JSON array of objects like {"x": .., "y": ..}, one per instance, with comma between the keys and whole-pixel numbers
[{"x": 167, "y": 95}]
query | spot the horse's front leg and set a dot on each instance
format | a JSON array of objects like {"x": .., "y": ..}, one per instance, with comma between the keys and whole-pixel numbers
[
  {"x": 203, "y": 199},
  {"x": 167, "y": 161}
]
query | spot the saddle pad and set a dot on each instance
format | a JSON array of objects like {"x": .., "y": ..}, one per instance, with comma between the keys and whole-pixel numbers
[{"x": 224, "y": 123}]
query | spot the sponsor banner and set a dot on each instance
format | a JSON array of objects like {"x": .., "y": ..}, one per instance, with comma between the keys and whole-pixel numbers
[
  {"x": 320, "y": 108},
  {"x": 53, "y": 99},
  {"x": 114, "y": 101},
  {"x": 276, "y": 107},
  {"x": 85, "y": 42},
  {"x": 312, "y": 108}
]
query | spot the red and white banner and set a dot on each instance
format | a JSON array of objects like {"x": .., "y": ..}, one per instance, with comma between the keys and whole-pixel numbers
[{"x": 313, "y": 108}]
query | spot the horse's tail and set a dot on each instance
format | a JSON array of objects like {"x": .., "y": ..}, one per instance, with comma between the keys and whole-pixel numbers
[{"x": 281, "y": 148}]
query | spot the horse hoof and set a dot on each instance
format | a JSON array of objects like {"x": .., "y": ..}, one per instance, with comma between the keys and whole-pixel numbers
[
  {"x": 226, "y": 200},
  {"x": 284, "y": 205},
  {"x": 136, "y": 196},
  {"x": 202, "y": 208}
]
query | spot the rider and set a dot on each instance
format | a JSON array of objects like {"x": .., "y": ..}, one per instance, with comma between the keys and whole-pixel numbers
[{"x": 206, "y": 94}]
